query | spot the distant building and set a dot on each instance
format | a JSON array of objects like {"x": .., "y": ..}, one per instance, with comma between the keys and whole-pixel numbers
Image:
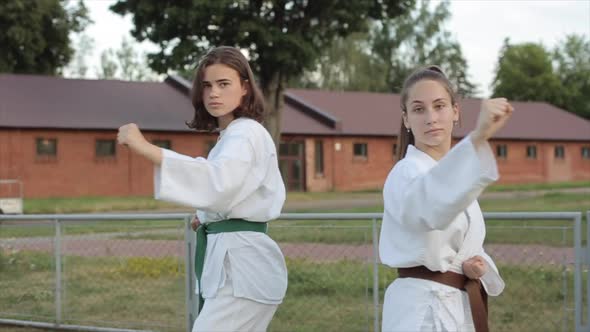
[{"x": 58, "y": 136}]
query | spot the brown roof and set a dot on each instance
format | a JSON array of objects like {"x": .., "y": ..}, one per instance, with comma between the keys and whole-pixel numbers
[
  {"x": 28, "y": 101},
  {"x": 363, "y": 113}
]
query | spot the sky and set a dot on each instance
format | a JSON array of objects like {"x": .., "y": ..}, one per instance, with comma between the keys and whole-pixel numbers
[{"x": 480, "y": 26}]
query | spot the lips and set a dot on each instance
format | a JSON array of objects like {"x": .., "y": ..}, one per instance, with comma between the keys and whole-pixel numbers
[
  {"x": 215, "y": 104},
  {"x": 431, "y": 131}
]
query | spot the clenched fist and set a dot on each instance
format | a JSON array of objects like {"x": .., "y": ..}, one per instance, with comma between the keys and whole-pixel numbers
[
  {"x": 130, "y": 135},
  {"x": 493, "y": 116},
  {"x": 475, "y": 267}
]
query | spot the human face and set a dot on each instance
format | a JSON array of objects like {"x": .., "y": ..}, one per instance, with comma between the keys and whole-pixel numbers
[
  {"x": 430, "y": 115},
  {"x": 222, "y": 92}
]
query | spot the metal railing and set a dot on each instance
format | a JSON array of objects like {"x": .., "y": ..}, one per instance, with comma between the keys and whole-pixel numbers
[{"x": 366, "y": 223}]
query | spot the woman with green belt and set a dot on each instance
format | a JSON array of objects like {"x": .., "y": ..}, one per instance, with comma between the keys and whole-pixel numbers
[{"x": 237, "y": 189}]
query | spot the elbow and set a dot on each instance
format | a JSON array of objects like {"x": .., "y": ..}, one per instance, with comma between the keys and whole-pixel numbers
[{"x": 426, "y": 220}]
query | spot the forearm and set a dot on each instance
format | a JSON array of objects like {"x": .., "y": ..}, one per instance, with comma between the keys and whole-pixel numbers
[{"x": 152, "y": 152}]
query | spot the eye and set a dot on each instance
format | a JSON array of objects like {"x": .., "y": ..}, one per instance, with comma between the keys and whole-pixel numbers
[
  {"x": 418, "y": 109},
  {"x": 439, "y": 106},
  {"x": 223, "y": 84}
]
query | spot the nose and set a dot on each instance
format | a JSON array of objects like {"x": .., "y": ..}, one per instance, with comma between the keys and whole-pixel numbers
[
  {"x": 431, "y": 116},
  {"x": 213, "y": 92}
]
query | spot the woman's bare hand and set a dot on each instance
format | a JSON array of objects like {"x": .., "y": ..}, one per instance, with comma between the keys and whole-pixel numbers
[{"x": 475, "y": 267}]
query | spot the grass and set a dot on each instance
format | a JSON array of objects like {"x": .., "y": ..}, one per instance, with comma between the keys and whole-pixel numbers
[
  {"x": 538, "y": 186},
  {"x": 332, "y": 232},
  {"x": 130, "y": 228},
  {"x": 94, "y": 204},
  {"x": 333, "y": 296},
  {"x": 148, "y": 293}
]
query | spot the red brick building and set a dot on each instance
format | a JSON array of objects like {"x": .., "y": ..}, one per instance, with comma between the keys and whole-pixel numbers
[{"x": 58, "y": 137}]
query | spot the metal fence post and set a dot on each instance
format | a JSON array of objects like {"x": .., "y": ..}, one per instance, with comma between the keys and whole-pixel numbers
[
  {"x": 189, "y": 240},
  {"x": 586, "y": 262},
  {"x": 578, "y": 272},
  {"x": 376, "y": 323},
  {"x": 58, "y": 290}
]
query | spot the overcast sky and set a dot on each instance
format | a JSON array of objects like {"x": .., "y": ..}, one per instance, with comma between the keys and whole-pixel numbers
[{"x": 480, "y": 26}]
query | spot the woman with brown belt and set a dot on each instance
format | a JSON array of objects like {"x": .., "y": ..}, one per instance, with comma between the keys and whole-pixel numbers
[{"x": 433, "y": 229}]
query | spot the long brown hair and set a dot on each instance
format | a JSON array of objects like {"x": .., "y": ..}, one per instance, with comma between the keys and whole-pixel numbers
[
  {"x": 252, "y": 105},
  {"x": 432, "y": 73}
]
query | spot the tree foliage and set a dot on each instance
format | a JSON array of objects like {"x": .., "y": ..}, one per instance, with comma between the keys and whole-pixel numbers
[
  {"x": 381, "y": 59},
  {"x": 572, "y": 59},
  {"x": 525, "y": 72},
  {"x": 419, "y": 38},
  {"x": 35, "y": 34},
  {"x": 530, "y": 72},
  {"x": 281, "y": 37}
]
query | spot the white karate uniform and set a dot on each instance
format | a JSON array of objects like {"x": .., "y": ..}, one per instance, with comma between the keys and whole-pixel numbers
[
  {"x": 239, "y": 179},
  {"x": 432, "y": 218}
]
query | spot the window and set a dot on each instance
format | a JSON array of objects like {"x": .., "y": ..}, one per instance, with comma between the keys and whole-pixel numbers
[
  {"x": 105, "y": 148},
  {"x": 559, "y": 152},
  {"x": 360, "y": 150},
  {"x": 163, "y": 143},
  {"x": 586, "y": 152},
  {"x": 293, "y": 149},
  {"x": 46, "y": 147},
  {"x": 319, "y": 157},
  {"x": 531, "y": 152},
  {"x": 502, "y": 151}
]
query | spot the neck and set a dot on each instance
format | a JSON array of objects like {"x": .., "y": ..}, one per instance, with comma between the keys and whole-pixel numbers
[
  {"x": 436, "y": 152},
  {"x": 225, "y": 120}
]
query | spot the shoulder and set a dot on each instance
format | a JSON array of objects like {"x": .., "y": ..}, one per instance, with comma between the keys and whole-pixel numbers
[
  {"x": 251, "y": 130},
  {"x": 403, "y": 171},
  {"x": 245, "y": 127}
]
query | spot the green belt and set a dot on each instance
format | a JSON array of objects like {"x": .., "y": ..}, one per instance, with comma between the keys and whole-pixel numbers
[{"x": 224, "y": 226}]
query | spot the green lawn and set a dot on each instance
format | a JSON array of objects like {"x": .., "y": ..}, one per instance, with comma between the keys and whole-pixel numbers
[
  {"x": 556, "y": 233},
  {"x": 129, "y": 227},
  {"x": 335, "y": 296}
]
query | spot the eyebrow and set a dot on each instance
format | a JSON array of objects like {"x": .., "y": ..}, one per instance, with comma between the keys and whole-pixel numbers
[
  {"x": 434, "y": 101},
  {"x": 219, "y": 80}
]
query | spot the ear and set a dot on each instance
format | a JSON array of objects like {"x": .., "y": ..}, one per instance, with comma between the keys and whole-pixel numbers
[
  {"x": 405, "y": 120},
  {"x": 456, "y": 112},
  {"x": 245, "y": 86}
]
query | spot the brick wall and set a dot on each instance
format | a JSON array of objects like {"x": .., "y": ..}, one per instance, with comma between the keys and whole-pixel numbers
[{"x": 76, "y": 171}]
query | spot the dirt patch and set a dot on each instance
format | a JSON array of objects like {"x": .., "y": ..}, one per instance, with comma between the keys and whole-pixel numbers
[{"x": 85, "y": 246}]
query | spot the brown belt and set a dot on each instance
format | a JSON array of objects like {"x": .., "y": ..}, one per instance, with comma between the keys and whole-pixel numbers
[{"x": 478, "y": 298}]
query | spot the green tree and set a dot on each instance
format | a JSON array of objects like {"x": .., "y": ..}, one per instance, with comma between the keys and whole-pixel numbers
[
  {"x": 108, "y": 65},
  {"x": 572, "y": 59},
  {"x": 525, "y": 72},
  {"x": 381, "y": 59},
  {"x": 78, "y": 67},
  {"x": 410, "y": 41},
  {"x": 282, "y": 37},
  {"x": 125, "y": 63},
  {"x": 35, "y": 34},
  {"x": 345, "y": 66},
  {"x": 132, "y": 64}
]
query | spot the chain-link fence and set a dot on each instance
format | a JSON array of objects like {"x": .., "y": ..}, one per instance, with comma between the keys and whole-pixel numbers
[{"x": 131, "y": 272}]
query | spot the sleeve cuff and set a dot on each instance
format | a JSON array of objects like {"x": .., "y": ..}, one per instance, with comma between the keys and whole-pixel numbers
[
  {"x": 491, "y": 280},
  {"x": 487, "y": 161}
]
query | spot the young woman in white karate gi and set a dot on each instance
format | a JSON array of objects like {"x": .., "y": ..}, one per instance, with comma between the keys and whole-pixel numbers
[
  {"x": 433, "y": 229},
  {"x": 236, "y": 190}
]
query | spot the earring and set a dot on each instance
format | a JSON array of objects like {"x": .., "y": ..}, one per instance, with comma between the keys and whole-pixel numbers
[
  {"x": 455, "y": 123},
  {"x": 408, "y": 130}
]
